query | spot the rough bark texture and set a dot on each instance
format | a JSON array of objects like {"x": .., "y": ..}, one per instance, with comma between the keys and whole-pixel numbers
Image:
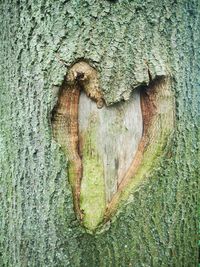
[{"x": 125, "y": 41}]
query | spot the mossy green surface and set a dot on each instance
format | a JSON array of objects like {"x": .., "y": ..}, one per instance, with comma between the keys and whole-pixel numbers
[{"x": 92, "y": 199}]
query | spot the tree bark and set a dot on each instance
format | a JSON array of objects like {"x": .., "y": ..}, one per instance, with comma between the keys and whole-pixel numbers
[{"x": 128, "y": 42}]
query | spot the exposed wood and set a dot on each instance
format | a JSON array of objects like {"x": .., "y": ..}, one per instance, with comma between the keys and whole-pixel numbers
[
  {"x": 118, "y": 130},
  {"x": 65, "y": 120},
  {"x": 157, "y": 103},
  {"x": 109, "y": 137},
  {"x": 107, "y": 148}
]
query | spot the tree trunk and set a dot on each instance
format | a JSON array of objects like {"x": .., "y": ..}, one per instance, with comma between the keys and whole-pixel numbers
[{"x": 128, "y": 42}]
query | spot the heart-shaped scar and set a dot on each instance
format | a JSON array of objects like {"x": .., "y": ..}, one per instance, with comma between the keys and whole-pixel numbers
[{"x": 110, "y": 149}]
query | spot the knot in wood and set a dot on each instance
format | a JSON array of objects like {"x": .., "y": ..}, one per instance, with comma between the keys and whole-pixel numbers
[{"x": 85, "y": 77}]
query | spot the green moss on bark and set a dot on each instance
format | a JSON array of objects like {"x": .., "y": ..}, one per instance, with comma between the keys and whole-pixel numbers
[{"x": 38, "y": 227}]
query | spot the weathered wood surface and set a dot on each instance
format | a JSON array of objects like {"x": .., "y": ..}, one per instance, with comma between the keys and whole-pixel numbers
[
  {"x": 109, "y": 141},
  {"x": 118, "y": 130}
]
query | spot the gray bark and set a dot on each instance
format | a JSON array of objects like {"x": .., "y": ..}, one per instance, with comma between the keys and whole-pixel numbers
[{"x": 125, "y": 40}]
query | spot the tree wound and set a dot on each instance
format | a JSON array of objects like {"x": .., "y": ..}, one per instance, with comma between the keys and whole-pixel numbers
[{"x": 106, "y": 146}]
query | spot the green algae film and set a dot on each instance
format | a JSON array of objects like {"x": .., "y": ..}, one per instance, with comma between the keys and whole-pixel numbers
[{"x": 92, "y": 198}]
